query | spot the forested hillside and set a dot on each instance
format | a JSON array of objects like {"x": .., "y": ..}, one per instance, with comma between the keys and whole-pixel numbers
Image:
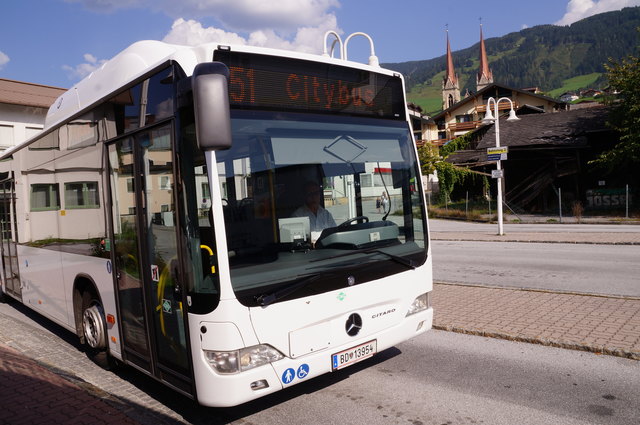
[{"x": 542, "y": 56}]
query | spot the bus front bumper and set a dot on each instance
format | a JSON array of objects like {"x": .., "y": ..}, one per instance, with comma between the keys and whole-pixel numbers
[{"x": 218, "y": 390}]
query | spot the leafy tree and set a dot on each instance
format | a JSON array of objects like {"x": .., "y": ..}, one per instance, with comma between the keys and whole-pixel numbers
[
  {"x": 624, "y": 76},
  {"x": 449, "y": 175},
  {"x": 428, "y": 157}
]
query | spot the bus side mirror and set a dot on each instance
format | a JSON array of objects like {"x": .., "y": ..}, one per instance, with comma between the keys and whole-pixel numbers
[{"x": 210, "y": 84}]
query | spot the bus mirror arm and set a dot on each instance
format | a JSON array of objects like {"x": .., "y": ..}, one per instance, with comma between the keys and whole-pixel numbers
[{"x": 210, "y": 85}]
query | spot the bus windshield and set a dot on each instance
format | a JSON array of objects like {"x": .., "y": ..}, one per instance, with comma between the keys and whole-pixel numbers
[{"x": 308, "y": 195}]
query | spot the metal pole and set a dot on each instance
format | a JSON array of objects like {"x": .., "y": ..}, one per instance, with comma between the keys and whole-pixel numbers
[
  {"x": 466, "y": 205},
  {"x": 560, "y": 202},
  {"x": 499, "y": 168},
  {"x": 626, "y": 197}
]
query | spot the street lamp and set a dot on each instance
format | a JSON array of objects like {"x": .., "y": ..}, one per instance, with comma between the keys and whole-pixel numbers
[{"x": 488, "y": 118}]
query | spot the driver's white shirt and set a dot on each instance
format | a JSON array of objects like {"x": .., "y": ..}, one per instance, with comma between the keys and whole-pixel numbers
[{"x": 319, "y": 221}]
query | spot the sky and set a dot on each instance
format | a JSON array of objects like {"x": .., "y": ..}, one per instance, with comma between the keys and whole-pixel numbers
[{"x": 59, "y": 42}]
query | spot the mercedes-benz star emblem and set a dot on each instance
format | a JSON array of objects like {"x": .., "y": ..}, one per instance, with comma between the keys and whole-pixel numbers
[{"x": 353, "y": 325}]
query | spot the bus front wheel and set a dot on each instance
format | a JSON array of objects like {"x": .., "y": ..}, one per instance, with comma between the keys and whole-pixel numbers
[{"x": 94, "y": 330}]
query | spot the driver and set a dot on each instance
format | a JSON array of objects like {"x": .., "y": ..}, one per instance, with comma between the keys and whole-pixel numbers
[{"x": 319, "y": 218}]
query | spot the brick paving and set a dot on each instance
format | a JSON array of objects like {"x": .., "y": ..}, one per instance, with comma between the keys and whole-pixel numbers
[
  {"x": 33, "y": 394},
  {"x": 44, "y": 379},
  {"x": 609, "y": 325}
]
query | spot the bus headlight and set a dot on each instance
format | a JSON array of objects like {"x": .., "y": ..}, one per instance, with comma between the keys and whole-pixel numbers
[
  {"x": 244, "y": 359},
  {"x": 421, "y": 303}
]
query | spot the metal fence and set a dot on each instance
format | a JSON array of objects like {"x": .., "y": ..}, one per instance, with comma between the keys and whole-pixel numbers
[{"x": 611, "y": 202}]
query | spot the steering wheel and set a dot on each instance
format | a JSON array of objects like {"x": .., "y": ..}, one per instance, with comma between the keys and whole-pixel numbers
[{"x": 364, "y": 218}]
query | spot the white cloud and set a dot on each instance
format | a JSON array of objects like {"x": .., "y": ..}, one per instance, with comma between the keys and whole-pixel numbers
[
  {"x": 252, "y": 15},
  {"x": 580, "y": 9},
  {"x": 90, "y": 64},
  {"x": 285, "y": 24},
  {"x": 306, "y": 39},
  {"x": 192, "y": 33},
  {"x": 235, "y": 15},
  {"x": 4, "y": 59}
]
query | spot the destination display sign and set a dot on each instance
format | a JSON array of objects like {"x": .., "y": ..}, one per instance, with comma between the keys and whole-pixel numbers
[{"x": 272, "y": 82}]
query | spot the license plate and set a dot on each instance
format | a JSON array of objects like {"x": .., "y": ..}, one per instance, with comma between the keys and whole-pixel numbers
[{"x": 353, "y": 355}]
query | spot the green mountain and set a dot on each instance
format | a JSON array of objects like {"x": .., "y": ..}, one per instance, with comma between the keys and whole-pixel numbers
[{"x": 550, "y": 57}]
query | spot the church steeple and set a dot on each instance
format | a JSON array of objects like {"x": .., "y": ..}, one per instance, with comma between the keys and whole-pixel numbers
[
  {"x": 450, "y": 87},
  {"x": 485, "y": 76}
]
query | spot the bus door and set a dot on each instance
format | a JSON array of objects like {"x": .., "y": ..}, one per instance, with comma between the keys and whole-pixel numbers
[
  {"x": 145, "y": 256},
  {"x": 9, "y": 246}
]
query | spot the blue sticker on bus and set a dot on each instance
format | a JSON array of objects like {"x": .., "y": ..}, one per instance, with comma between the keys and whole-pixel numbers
[
  {"x": 288, "y": 376},
  {"x": 303, "y": 371},
  {"x": 109, "y": 267}
]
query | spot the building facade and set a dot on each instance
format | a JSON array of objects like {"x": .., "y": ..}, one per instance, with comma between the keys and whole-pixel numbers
[{"x": 23, "y": 107}]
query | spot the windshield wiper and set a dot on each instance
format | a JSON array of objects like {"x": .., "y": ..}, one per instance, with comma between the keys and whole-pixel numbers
[
  {"x": 408, "y": 263},
  {"x": 266, "y": 299}
]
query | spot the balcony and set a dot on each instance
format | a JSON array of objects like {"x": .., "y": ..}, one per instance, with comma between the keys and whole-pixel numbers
[
  {"x": 502, "y": 106},
  {"x": 464, "y": 126},
  {"x": 439, "y": 142}
]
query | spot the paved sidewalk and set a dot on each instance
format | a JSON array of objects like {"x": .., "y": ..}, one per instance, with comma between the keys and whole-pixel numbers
[
  {"x": 33, "y": 394},
  {"x": 600, "y": 324},
  {"x": 546, "y": 237},
  {"x": 46, "y": 380}
]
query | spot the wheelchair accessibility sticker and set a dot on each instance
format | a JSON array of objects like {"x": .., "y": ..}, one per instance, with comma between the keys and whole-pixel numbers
[
  {"x": 303, "y": 371},
  {"x": 290, "y": 374},
  {"x": 166, "y": 306}
]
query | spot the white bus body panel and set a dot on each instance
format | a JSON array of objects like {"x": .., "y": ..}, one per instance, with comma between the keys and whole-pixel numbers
[
  {"x": 47, "y": 277},
  {"x": 307, "y": 331}
]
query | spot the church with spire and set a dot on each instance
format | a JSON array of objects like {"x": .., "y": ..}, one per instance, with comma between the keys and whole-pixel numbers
[
  {"x": 450, "y": 86},
  {"x": 461, "y": 114},
  {"x": 485, "y": 76}
]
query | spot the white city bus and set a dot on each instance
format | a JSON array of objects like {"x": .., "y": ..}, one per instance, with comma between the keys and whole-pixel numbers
[{"x": 157, "y": 216}]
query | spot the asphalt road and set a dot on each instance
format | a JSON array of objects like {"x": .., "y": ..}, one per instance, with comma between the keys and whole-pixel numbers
[
  {"x": 448, "y": 378},
  {"x": 436, "y": 378},
  {"x": 584, "y": 268}
]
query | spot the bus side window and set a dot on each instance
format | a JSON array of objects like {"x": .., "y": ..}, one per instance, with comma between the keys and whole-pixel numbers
[
  {"x": 160, "y": 97},
  {"x": 123, "y": 111}
]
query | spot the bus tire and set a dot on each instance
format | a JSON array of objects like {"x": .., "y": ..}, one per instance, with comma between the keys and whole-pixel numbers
[{"x": 94, "y": 331}]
